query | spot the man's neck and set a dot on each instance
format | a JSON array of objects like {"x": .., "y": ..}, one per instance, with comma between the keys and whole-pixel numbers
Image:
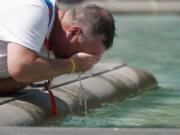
[{"x": 51, "y": 37}]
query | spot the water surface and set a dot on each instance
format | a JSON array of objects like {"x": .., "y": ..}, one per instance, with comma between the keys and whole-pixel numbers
[{"x": 153, "y": 43}]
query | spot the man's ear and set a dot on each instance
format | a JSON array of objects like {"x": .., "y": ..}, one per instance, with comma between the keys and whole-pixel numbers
[{"x": 74, "y": 32}]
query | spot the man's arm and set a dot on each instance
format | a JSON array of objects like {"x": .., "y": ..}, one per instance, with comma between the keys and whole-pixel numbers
[
  {"x": 25, "y": 65},
  {"x": 9, "y": 85}
]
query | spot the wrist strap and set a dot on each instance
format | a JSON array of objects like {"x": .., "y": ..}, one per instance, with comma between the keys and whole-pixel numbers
[{"x": 73, "y": 65}]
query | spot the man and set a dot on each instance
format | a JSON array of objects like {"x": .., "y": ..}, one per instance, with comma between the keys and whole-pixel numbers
[{"x": 77, "y": 38}]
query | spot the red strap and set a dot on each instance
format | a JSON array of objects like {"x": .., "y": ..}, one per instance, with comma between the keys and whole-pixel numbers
[
  {"x": 46, "y": 44},
  {"x": 53, "y": 103},
  {"x": 52, "y": 99}
]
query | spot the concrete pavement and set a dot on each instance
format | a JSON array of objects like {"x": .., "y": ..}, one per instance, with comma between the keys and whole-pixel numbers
[{"x": 85, "y": 131}]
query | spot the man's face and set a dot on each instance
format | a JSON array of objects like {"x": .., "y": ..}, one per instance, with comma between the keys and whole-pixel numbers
[
  {"x": 93, "y": 46},
  {"x": 68, "y": 44}
]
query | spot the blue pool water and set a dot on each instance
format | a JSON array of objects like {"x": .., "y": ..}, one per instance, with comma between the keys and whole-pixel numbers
[{"x": 151, "y": 42}]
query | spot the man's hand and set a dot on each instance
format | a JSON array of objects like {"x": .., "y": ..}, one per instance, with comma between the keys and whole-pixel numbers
[{"x": 85, "y": 61}]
